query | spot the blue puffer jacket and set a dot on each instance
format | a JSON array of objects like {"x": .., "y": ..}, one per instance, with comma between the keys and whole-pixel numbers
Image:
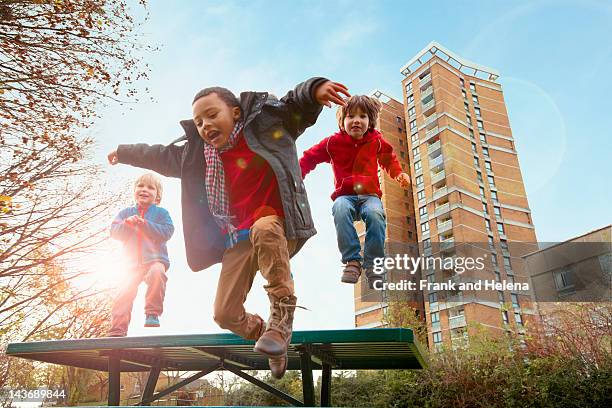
[{"x": 147, "y": 243}]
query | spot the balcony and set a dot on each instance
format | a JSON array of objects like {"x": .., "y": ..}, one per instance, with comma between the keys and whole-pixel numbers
[
  {"x": 432, "y": 132},
  {"x": 425, "y": 80},
  {"x": 431, "y": 121},
  {"x": 442, "y": 209},
  {"x": 429, "y": 107},
  {"x": 445, "y": 226},
  {"x": 427, "y": 92},
  {"x": 440, "y": 192},
  {"x": 433, "y": 147},
  {"x": 447, "y": 244},
  {"x": 437, "y": 163},
  {"x": 456, "y": 321},
  {"x": 435, "y": 177}
]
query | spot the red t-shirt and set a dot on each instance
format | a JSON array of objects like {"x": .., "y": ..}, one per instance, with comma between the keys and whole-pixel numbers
[{"x": 251, "y": 186}]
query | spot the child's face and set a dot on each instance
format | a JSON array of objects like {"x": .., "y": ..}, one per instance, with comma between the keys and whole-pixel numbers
[
  {"x": 214, "y": 119},
  {"x": 145, "y": 194},
  {"x": 356, "y": 123}
]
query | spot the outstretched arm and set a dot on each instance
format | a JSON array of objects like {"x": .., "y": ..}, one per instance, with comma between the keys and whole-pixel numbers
[
  {"x": 165, "y": 160},
  {"x": 313, "y": 156},
  {"x": 388, "y": 161},
  {"x": 301, "y": 107}
]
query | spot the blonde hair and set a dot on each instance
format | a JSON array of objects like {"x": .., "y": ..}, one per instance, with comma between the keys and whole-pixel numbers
[
  {"x": 151, "y": 178},
  {"x": 370, "y": 106}
]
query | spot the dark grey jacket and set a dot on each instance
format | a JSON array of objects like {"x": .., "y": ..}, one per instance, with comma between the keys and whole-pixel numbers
[{"x": 271, "y": 128}]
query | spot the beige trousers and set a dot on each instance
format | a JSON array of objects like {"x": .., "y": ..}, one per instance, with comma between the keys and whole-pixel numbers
[{"x": 266, "y": 250}]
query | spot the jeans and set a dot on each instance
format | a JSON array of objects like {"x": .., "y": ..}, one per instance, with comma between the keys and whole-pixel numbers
[{"x": 368, "y": 208}]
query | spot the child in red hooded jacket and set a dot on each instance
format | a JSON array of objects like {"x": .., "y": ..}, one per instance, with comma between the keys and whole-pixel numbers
[{"x": 355, "y": 153}]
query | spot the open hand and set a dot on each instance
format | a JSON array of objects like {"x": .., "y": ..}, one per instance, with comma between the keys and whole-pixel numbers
[
  {"x": 329, "y": 92},
  {"x": 113, "y": 158},
  {"x": 403, "y": 179}
]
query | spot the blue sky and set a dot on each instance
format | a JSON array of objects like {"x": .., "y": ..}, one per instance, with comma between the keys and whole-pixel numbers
[{"x": 555, "y": 60}]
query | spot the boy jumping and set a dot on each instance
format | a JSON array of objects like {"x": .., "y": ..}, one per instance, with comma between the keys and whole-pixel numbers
[
  {"x": 144, "y": 230},
  {"x": 355, "y": 153},
  {"x": 244, "y": 203}
]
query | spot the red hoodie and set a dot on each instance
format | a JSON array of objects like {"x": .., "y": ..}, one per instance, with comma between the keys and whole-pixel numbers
[{"x": 354, "y": 161}]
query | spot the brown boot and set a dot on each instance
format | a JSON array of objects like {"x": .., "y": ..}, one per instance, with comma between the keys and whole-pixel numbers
[
  {"x": 276, "y": 339},
  {"x": 351, "y": 272},
  {"x": 278, "y": 366}
]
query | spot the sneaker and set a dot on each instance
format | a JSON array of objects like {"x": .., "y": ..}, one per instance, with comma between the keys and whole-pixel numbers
[
  {"x": 151, "y": 321},
  {"x": 351, "y": 272}
]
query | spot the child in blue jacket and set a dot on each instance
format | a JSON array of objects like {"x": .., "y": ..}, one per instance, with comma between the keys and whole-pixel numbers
[{"x": 144, "y": 230}]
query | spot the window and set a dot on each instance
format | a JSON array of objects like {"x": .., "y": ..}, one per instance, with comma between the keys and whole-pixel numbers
[
  {"x": 435, "y": 317},
  {"x": 564, "y": 279},
  {"x": 494, "y": 259},
  {"x": 413, "y": 124},
  {"x": 479, "y": 176},
  {"x": 482, "y": 192},
  {"x": 401, "y": 142},
  {"x": 500, "y": 294},
  {"x": 480, "y": 125},
  {"x": 427, "y": 243},
  {"x": 471, "y": 132},
  {"x": 476, "y": 162},
  {"x": 415, "y": 138},
  {"x": 505, "y": 316},
  {"x": 416, "y": 151},
  {"x": 491, "y": 243},
  {"x": 515, "y": 302},
  {"x": 475, "y": 99},
  {"x": 412, "y": 111},
  {"x": 462, "y": 81},
  {"x": 485, "y": 151},
  {"x": 474, "y": 147},
  {"x": 485, "y": 208},
  {"x": 410, "y": 98},
  {"x": 425, "y": 227},
  {"x": 500, "y": 228},
  {"x": 518, "y": 319},
  {"x": 408, "y": 219},
  {"x": 433, "y": 297},
  {"x": 419, "y": 165},
  {"x": 507, "y": 263},
  {"x": 437, "y": 337},
  {"x": 497, "y": 211},
  {"x": 477, "y": 110},
  {"x": 510, "y": 279},
  {"x": 483, "y": 138},
  {"x": 403, "y": 155},
  {"x": 467, "y": 107},
  {"x": 468, "y": 117},
  {"x": 419, "y": 180},
  {"x": 488, "y": 165},
  {"x": 423, "y": 211},
  {"x": 491, "y": 181},
  {"x": 488, "y": 225},
  {"x": 421, "y": 195},
  {"x": 409, "y": 86},
  {"x": 504, "y": 244},
  {"x": 473, "y": 86},
  {"x": 494, "y": 195}
]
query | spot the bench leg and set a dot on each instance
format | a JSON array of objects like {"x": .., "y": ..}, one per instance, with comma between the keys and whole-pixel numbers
[
  {"x": 114, "y": 381},
  {"x": 326, "y": 386},
  {"x": 307, "y": 382}
]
